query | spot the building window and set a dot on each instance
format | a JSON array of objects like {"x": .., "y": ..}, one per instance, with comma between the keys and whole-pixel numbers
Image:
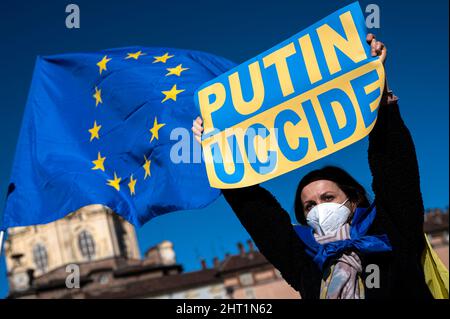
[
  {"x": 246, "y": 279},
  {"x": 86, "y": 244},
  {"x": 250, "y": 293},
  {"x": 40, "y": 257},
  {"x": 104, "y": 279}
]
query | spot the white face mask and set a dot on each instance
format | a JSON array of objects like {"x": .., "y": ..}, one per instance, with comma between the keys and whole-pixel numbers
[{"x": 326, "y": 218}]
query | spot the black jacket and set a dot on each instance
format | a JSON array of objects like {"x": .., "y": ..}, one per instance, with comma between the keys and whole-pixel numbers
[{"x": 396, "y": 185}]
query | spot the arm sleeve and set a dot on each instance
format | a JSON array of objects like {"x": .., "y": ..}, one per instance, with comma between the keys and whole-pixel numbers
[
  {"x": 271, "y": 229},
  {"x": 396, "y": 182}
]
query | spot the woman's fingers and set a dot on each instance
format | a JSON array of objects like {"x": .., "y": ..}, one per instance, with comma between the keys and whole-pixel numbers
[
  {"x": 377, "y": 48},
  {"x": 198, "y": 121},
  {"x": 197, "y": 135},
  {"x": 383, "y": 54},
  {"x": 373, "y": 47},
  {"x": 381, "y": 50},
  {"x": 369, "y": 38},
  {"x": 197, "y": 128},
  {"x": 196, "y": 131}
]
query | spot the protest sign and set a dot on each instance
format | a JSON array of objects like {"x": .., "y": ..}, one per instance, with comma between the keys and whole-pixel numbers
[{"x": 309, "y": 96}]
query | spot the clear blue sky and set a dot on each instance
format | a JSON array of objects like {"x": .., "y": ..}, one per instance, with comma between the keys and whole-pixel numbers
[{"x": 416, "y": 33}]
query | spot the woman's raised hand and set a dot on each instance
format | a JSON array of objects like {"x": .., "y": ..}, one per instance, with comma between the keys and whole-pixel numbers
[
  {"x": 377, "y": 48},
  {"x": 197, "y": 128}
]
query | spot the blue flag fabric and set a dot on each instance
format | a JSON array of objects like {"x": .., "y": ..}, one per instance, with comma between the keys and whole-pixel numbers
[{"x": 97, "y": 130}]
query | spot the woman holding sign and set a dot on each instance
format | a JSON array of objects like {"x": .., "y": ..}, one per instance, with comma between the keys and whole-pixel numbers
[{"x": 345, "y": 247}]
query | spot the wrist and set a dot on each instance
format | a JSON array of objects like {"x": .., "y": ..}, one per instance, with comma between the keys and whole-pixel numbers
[{"x": 388, "y": 96}]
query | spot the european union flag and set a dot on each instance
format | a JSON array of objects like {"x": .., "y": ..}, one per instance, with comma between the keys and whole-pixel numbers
[{"x": 97, "y": 130}]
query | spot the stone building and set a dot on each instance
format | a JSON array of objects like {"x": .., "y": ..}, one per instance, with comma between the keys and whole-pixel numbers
[
  {"x": 100, "y": 250},
  {"x": 92, "y": 233}
]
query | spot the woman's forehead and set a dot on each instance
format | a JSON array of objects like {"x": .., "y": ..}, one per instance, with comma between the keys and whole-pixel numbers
[{"x": 319, "y": 187}]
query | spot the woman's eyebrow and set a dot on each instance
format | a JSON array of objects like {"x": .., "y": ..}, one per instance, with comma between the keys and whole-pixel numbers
[{"x": 327, "y": 193}]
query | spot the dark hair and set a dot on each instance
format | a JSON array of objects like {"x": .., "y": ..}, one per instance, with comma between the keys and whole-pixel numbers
[{"x": 354, "y": 191}]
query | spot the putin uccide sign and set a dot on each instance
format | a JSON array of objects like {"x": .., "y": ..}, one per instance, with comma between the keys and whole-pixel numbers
[{"x": 304, "y": 99}]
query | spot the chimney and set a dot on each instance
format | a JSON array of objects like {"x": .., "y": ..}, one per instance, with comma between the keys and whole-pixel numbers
[
  {"x": 216, "y": 262},
  {"x": 241, "y": 249},
  {"x": 203, "y": 262},
  {"x": 251, "y": 248}
]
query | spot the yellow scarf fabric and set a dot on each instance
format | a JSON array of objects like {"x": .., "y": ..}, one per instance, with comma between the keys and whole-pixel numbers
[{"x": 436, "y": 274}]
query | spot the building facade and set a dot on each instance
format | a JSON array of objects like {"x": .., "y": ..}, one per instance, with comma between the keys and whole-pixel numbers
[
  {"x": 93, "y": 253},
  {"x": 90, "y": 234}
]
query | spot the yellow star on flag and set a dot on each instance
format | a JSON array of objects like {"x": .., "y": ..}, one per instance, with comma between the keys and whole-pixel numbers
[
  {"x": 99, "y": 162},
  {"x": 146, "y": 167},
  {"x": 171, "y": 94},
  {"x": 162, "y": 58},
  {"x": 134, "y": 55},
  {"x": 156, "y": 127},
  {"x": 102, "y": 64},
  {"x": 115, "y": 182},
  {"x": 97, "y": 96},
  {"x": 94, "y": 131},
  {"x": 132, "y": 185},
  {"x": 176, "y": 70}
]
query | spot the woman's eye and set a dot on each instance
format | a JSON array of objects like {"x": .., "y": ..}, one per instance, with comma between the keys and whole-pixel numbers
[{"x": 329, "y": 198}]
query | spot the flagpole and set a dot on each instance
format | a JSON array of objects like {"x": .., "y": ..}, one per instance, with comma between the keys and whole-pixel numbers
[{"x": 2, "y": 236}]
